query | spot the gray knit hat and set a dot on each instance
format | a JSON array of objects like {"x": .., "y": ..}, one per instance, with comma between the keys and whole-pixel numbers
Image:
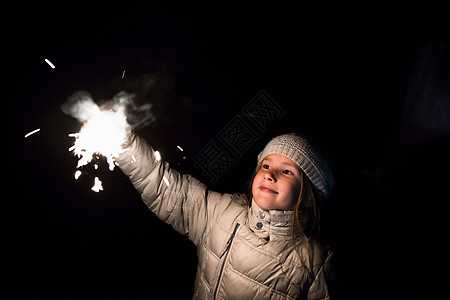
[{"x": 300, "y": 151}]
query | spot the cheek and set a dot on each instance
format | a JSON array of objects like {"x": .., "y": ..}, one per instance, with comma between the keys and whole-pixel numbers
[
  {"x": 255, "y": 182},
  {"x": 291, "y": 195}
]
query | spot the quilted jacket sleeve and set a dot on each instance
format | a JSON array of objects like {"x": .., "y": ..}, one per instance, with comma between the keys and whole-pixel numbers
[
  {"x": 322, "y": 287},
  {"x": 179, "y": 200}
]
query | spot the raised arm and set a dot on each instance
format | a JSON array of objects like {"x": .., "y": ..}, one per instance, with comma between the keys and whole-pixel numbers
[{"x": 179, "y": 200}]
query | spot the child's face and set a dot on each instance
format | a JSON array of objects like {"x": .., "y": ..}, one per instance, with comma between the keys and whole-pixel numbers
[{"x": 277, "y": 183}]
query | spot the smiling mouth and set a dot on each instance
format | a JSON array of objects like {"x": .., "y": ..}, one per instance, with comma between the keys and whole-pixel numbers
[{"x": 267, "y": 190}]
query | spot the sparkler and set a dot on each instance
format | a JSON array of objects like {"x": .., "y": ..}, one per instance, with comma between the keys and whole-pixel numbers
[
  {"x": 103, "y": 133},
  {"x": 104, "y": 129}
]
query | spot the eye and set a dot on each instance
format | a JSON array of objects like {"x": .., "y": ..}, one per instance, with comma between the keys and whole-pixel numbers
[
  {"x": 265, "y": 166},
  {"x": 287, "y": 172}
]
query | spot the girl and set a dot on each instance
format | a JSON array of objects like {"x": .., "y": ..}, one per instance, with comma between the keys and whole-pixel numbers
[{"x": 257, "y": 246}]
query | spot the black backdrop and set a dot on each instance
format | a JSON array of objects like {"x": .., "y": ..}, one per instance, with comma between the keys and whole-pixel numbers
[{"x": 355, "y": 78}]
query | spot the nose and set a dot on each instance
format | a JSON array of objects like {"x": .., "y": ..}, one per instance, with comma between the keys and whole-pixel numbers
[{"x": 269, "y": 177}]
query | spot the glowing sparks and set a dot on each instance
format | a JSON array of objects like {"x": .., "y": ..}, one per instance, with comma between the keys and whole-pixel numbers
[
  {"x": 103, "y": 133},
  {"x": 77, "y": 174},
  {"x": 32, "y": 132},
  {"x": 123, "y": 74},
  {"x": 49, "y": 63},
  {"x": 157, "y": 156},
  {"x": 181, "y": 149},
  {"x": 166, "y": 181},
  {"x": 97, "y": 185}
]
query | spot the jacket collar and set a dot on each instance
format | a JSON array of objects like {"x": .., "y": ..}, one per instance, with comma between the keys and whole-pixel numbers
[{"x": 270, "y": 224}]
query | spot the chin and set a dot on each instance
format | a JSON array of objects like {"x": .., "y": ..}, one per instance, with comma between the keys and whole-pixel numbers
[{"x": 265, "y": 204}]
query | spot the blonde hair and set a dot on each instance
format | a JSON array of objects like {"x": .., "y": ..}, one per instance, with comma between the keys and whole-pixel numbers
[{"x": 305, "y": 219}]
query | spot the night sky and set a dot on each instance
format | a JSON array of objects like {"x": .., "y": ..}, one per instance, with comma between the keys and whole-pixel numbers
[{"x": 356, "y": 79}]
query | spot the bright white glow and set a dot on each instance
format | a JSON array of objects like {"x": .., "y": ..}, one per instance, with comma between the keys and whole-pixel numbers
[
  {"x": 157, "y": 156},
  {"x": 123, "y": 74},
  {"x": 32, "y": 132},
  {"x": 103, "y": 133},
  {"x": 50, "y": 63},
  {"x": 181, "y": 149},
  {"x": 166, "y": 181},
  {"x": 97, "y": 185}
]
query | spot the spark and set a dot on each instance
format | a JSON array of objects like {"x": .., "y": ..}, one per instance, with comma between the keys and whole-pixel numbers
[
  {"x": 166, "y": 181},
  {"x": 123, "y": 74},
  {"x": 181, "y": 149},
  {"x": 97, "y": 185},
  {"x": 32, "y": 132},
  {"x": 77, "y": 174},
  {"x": 157, "y": 156},
  {"x": 49, "y": 63}
]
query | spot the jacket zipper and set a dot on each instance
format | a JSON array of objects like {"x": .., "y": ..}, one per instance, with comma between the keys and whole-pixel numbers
[{"x": 230, "y": 240}]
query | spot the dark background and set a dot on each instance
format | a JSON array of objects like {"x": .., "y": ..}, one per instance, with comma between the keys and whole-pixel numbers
[{"x": 368, "y": 83}]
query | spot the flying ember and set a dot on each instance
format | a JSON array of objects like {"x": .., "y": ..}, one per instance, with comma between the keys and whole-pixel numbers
[
  {"x": 97, "y": 185},
  {"x": 49, "y": 63},
  {"x": 32, "y": 132}
]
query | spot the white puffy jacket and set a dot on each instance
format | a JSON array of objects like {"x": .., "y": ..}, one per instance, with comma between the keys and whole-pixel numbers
[{"x": 243, "y": 252}]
